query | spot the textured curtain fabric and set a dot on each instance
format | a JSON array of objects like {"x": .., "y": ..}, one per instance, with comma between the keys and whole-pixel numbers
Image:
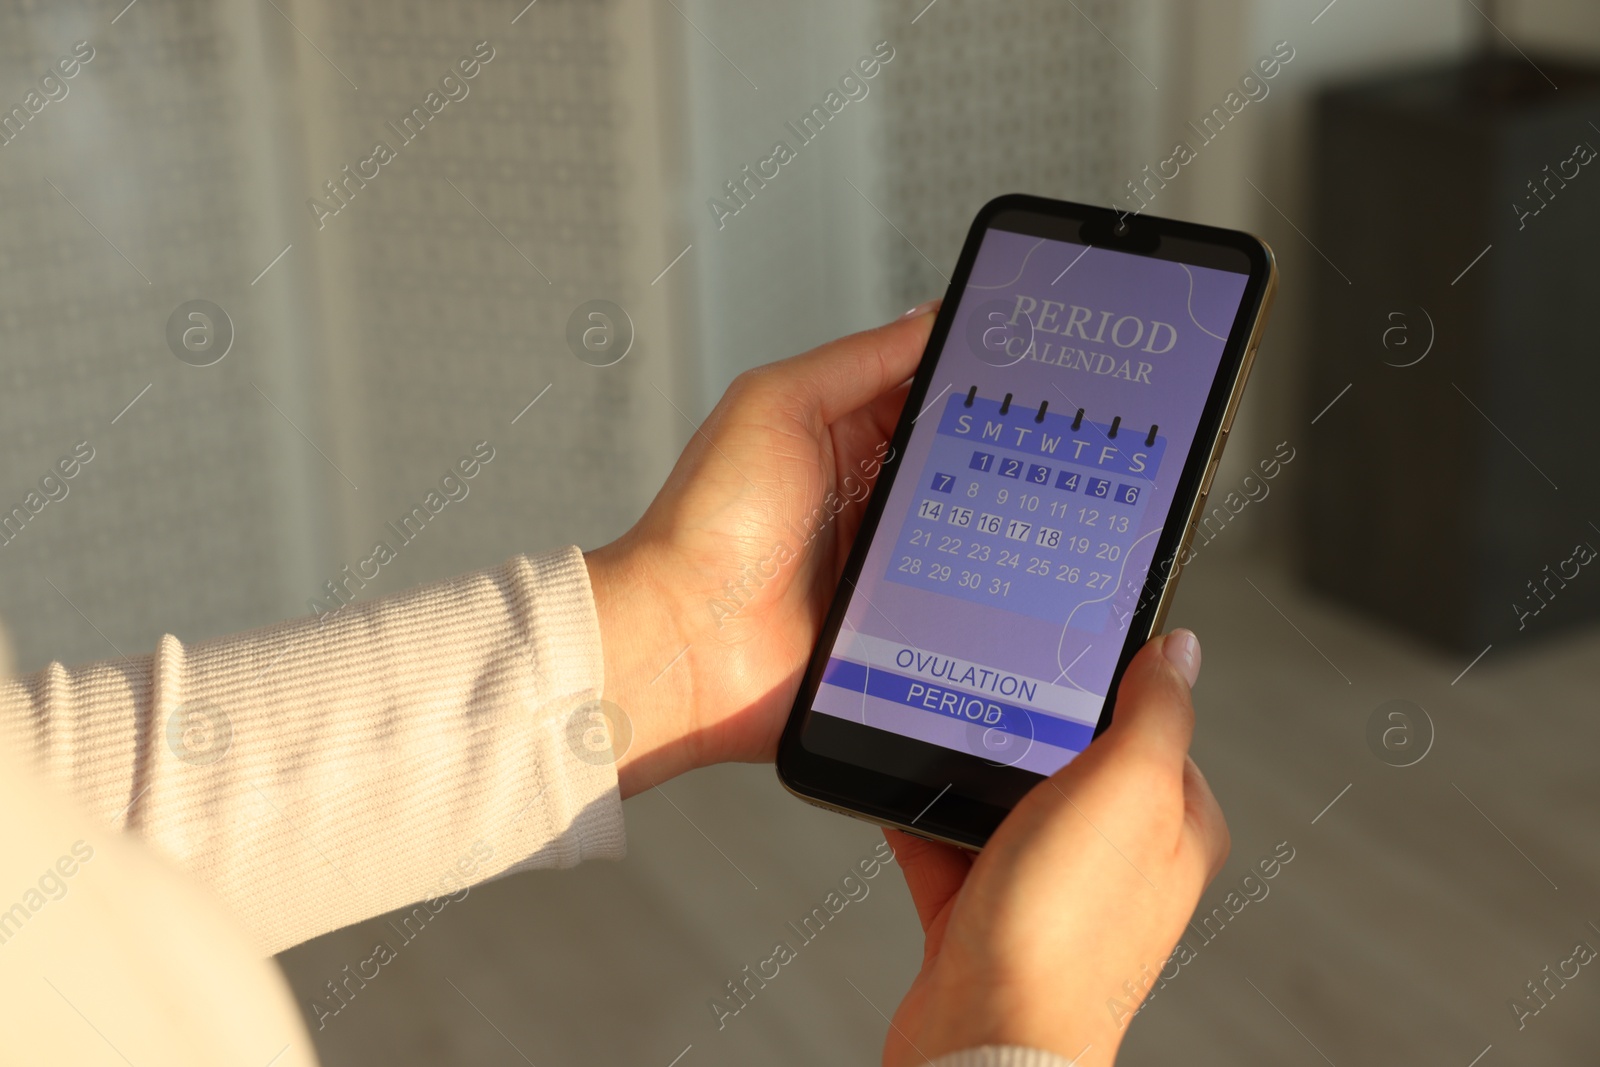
[{"x": 229, "y": 466}]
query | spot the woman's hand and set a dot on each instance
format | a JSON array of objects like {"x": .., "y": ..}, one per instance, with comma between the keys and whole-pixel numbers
[
  {"x": 735, "y": 562},
  {"x": 1050, "y": 936}
]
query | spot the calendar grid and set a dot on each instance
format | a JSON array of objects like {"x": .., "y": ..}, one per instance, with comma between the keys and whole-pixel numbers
[{"x": 1027, "y": 510}]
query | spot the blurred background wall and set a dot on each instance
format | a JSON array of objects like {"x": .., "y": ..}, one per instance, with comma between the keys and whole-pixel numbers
[{"x": 371, "y": 348}]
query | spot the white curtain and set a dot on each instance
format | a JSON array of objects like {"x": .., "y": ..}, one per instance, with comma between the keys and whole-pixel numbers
[{"x": 369, "y": 352}]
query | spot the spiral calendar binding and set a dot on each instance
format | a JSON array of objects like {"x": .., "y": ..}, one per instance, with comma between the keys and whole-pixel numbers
[{"x": 1077, "y": 420}]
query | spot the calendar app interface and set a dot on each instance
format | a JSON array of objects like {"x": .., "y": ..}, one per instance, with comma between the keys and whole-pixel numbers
[{"x": 996, "y": 595}]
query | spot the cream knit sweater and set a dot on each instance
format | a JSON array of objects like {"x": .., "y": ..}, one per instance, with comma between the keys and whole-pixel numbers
[{"x": 303, "y": 777}]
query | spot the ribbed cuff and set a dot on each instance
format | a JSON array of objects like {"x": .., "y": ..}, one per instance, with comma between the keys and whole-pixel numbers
[
  {"x": 576, "y": 793},
  {"x": 1002, "y": 1056}
]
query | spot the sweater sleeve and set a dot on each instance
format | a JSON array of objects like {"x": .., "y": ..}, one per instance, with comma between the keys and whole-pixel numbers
[
  {"x": 320, "y": 772},
  {"x": 1002, "y": 1056}
]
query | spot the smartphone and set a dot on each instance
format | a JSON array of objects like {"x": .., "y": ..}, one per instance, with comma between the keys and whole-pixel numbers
[{"x": 1032, "y": 514}]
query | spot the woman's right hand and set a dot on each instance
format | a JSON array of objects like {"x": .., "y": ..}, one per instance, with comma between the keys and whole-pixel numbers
[{"x": 1049, "y": 937}]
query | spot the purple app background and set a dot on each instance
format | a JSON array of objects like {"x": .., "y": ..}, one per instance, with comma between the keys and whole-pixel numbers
[{"x": 1006, "y": 339}]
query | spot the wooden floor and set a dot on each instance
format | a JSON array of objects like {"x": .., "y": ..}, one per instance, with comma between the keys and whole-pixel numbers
[{"x": 1416, "y": 905}]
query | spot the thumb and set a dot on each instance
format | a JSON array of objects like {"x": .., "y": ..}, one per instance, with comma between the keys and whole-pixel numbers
[
  {"x": 1153, "y": 713},
  {"x": 1134, "y": 784},
  {"x": 841, "y": 376},
  {"x": 1147, "y": 743}
]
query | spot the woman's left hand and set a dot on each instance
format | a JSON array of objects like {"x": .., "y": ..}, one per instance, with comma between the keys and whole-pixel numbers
[{"x": 710, "y": 604}]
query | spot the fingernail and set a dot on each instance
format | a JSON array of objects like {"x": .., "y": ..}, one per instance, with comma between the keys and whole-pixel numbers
[
  {"x": 920, "y": 309},
  {"x": 1182, "y": 649}
]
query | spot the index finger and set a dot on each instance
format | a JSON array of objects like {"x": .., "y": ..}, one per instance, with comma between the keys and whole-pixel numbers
[{"x": 934, "y": 872}]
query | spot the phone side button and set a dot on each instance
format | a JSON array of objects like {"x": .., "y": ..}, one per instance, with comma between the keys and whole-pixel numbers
[
  {"x": 1188, "y": 535},
  {"x": 1211, "y": 472}
]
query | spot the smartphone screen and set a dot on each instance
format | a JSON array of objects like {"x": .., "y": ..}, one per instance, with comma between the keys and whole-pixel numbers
[{"x": 991, "y": 611}]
